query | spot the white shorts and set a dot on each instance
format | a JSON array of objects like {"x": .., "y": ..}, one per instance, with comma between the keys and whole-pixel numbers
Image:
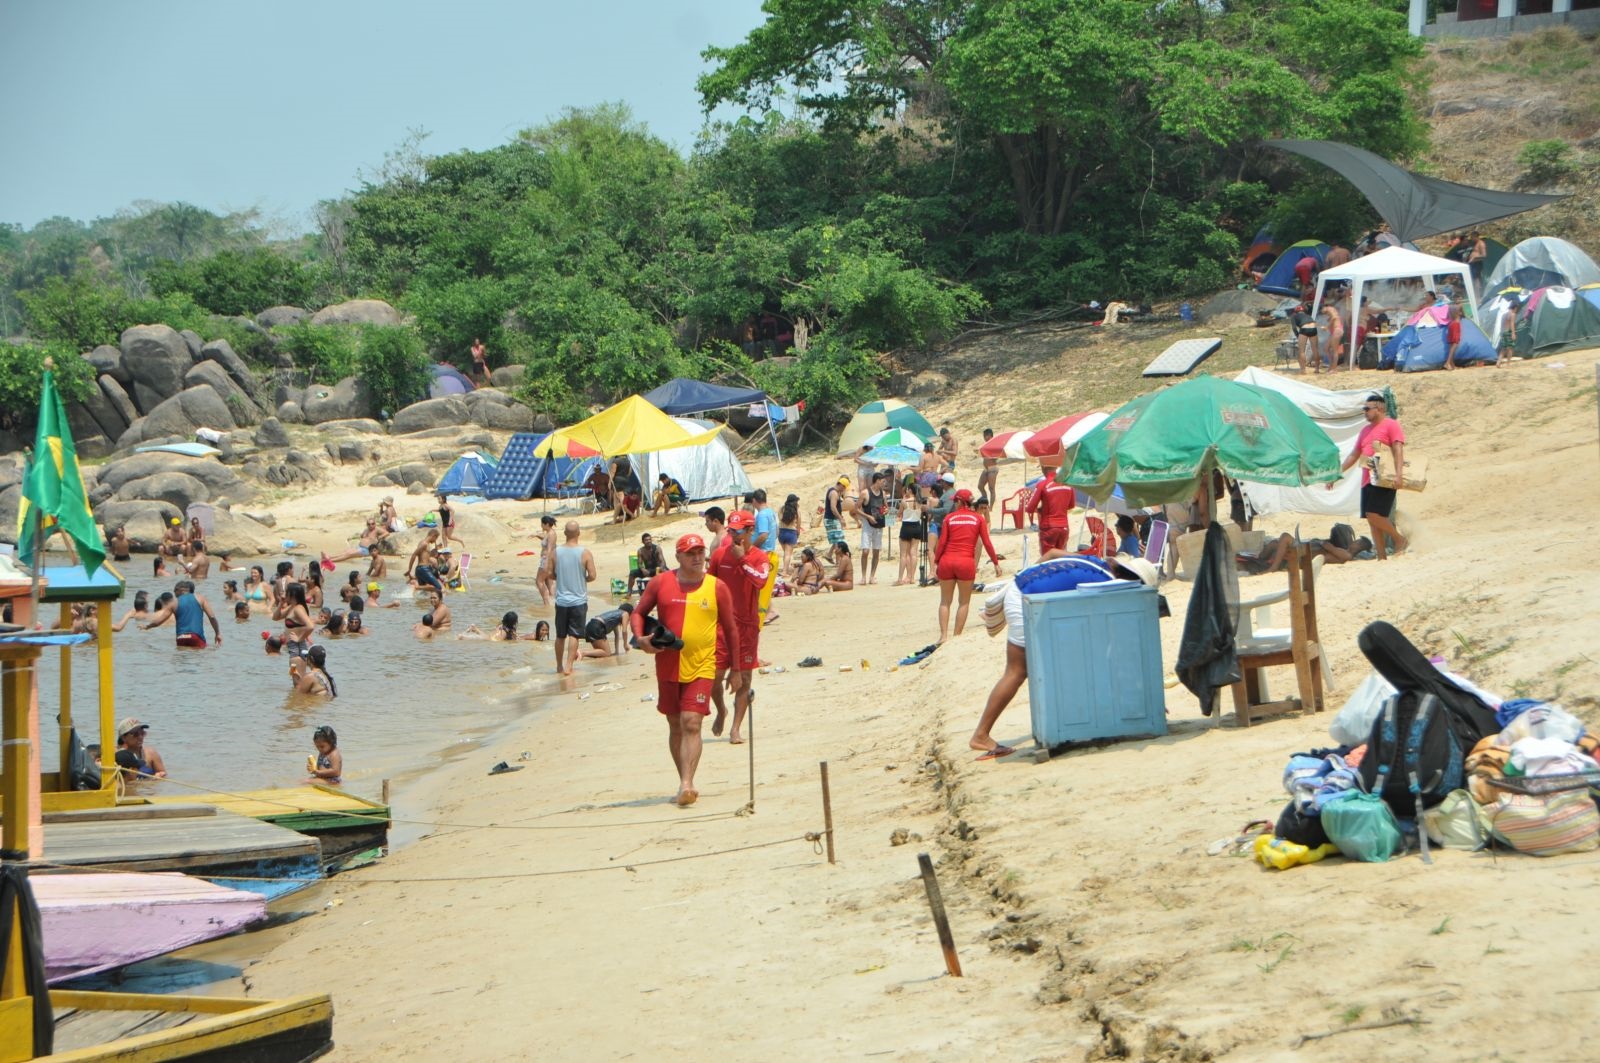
[
  {"x": 1014, "y": 633},
  {"x": 871, "y": 538}
]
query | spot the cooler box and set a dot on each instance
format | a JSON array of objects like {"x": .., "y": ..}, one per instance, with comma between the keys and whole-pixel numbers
[{"x": 1094, "y": 663}]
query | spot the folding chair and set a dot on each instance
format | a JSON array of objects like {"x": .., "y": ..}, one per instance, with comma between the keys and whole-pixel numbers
[
  {"x": 1155, "y": 547},
  {"x": 466, "y": 563}
]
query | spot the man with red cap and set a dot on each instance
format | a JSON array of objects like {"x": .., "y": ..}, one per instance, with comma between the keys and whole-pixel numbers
[
  {"x": 742, "y": 568},
  {"x": 1052, "y": 501},
  {"x": 692, "y": 610}
]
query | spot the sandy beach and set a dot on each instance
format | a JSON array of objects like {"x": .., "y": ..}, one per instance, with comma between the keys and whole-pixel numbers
[{"x": 570, "y": 911}]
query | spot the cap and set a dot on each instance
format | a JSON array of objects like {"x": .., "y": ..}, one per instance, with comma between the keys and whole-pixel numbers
[
  {"x": 739, "y": 520},
  {"x": 949, "y": 477},
  {"x": 1137, "y": 568},
  {"x": 130, "y": 725},
  {"x": 175, "y": 520},
  {"x": 964, "y": 495},
  {"x": 845, "y": 480},
  {"x": 373, "y": 586},
  {"x": 688, "y": 544}
]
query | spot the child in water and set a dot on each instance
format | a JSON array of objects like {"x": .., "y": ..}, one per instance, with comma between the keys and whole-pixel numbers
[{"x": 328, "y": 763}]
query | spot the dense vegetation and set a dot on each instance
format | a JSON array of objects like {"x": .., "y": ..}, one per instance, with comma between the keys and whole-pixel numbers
[{"x": 903, "y": 166}]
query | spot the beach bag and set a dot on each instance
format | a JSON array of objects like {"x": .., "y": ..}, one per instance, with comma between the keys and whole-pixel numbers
[
  {"x": 1549, "y": 824},
  {"x": 1300, "y": 827},
  {"x": 1413, "y": 759},
  {"x": 1457, "y": 822},
  {"x": 1363, "y": 828},
  {"x": 1416, "y": 470}
]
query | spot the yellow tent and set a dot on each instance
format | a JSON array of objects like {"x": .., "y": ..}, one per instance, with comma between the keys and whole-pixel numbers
[{"x": 632, "y": 426}]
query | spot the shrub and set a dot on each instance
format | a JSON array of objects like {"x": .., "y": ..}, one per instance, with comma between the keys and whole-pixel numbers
[
  {"x": 22, "y": 371},
  {"x": 1545, "y": 161},
  {"x": 394, "y": 364},
  {"x": 328, "y": 352}
]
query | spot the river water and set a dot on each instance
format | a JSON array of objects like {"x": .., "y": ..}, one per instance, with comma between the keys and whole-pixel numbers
[{"x": 225, "y": 718}]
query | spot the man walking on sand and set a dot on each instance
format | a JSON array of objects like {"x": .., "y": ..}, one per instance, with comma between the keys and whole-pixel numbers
[
  {"x": 874, "y": 515},
  {"x": 694, "y": 608},
  {"x": 571, "y": 566},
  {"x": 743, "y": 569}
]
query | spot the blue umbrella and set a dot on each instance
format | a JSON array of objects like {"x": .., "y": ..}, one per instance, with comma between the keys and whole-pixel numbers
[{"x": 892, "y": 455}]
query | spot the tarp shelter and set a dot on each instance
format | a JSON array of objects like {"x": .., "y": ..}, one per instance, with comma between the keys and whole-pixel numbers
[
  {"x": 468, "y": 476},
  {"x": 1540, "y": 262},
  {"x": 1280, "y": 279},
  {"x": 447, "y": 380},
  {"x": 708, "y": 470},
  {"x": 1555, "y": 320},
  {"x": 1338, "y": 413},
  {"x": 1413, "y": 205},
  {"x": 682, "y": 397},
  {"x": 632, "y": 426},
  {"x": 1420, "y": 347},
  {"x": 1391, "y": 264},
  {"x": 877, "y": 415}
]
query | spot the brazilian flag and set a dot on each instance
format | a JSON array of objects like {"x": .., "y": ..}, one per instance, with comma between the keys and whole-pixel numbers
[{"x": 54, "y": 486}]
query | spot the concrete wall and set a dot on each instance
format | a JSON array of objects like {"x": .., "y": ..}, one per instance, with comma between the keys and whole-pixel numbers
[{"x": 1585, "y": 22}]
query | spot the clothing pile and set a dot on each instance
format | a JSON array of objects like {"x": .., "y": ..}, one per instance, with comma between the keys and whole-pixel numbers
[{"x": 1429, "y": 759}]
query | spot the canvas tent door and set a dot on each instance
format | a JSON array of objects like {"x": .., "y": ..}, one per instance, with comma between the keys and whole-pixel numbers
[{"x": 710, "y": 470}]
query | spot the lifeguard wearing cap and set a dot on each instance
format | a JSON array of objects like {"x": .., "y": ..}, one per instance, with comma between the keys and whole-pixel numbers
[
  {"x": 741, "y": 520},
  {"x": 688, "y": 544}
]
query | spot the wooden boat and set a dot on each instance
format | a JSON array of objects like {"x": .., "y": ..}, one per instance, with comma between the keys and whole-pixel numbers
[
  {"x": 99, "y": 921},
  {"x": 353, "y": 831},
  {"x": 228, "y": 849},
  {"x": 146, "y": 1028}
]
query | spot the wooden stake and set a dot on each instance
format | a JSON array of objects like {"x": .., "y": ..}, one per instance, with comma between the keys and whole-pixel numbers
[
  {"x": 386, "y": 793},
  {"x": 952, "y": 963},
  {"x": 750, "y": 745},
  {"x": 827, "y": 812}
]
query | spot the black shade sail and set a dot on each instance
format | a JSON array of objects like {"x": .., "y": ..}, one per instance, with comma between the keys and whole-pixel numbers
[{"x": 1413, "y": 205}]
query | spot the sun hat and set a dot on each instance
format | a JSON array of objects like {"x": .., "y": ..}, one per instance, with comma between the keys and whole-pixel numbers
[
  {"x": 740, "y": 520},
  {"x": 688, "y": 544},
  {"x": 1138, "y": 568},
  {"x": 128, "y": 726}
]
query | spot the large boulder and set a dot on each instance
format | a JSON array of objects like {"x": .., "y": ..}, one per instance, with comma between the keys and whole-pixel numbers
[
  {"x": 212, "y": 375},
  {"x": 10, "y": 502},
  {"x": 360, "y": 425},
  {"x": 431, "y": 413},
  {"x": 220, "y": 480},
  {"x": 412, "y": 472},
  {"x": 272, "y": 434},
  {"x": 118, "y": 397},
  {"x": 178, "y": 488},
  {"x": 351, "y": 451},
  {"x": 276, "y": 316},
  {"x": 239, "y": 534},
  {"x": 144, "y": 521},
  {"x": 349, "y": 398},
  {"x": 196, "y": 407},
  {"x": 291, "y": 413},
  {"x": 156, "y": 358},
  {"x": 357, "y": 312},
  {"x": 512, "y": 418},
  {"x": 508, "y": 376},
  {"x": 105, "y": 413},
  {"x": 192, "y": 340},
  {"x": 90, "y": 439},
  {"x": 222, "y": 352},
  {"x": 107, "y": 361}
]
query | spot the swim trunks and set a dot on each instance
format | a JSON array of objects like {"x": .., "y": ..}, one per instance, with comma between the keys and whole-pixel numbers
[
  {"x": 674, "y": 697},
  {"x": 192, "y": 641}
]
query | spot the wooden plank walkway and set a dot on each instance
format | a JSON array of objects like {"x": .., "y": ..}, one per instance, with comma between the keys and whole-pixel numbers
[
  {"x": 140, "y": 841},
  {"x": 321, "y": 807}
]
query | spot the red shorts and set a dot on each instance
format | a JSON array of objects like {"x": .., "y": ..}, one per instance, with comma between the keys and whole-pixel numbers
[
  {"x": 193, "y": 642},
  {"x": 1052, "y": 539},
  {"x": 961, "y": 569},
  {"x": 673, "y": 697},
  {"x": 749, "y": 644}
]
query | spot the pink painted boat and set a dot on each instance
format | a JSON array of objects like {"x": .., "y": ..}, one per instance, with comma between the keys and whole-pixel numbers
[{"x": 98, "y": 921}]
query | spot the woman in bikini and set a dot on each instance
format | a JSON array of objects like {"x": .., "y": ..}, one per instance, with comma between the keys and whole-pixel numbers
[
  {"x": 255, "y": 586},
  {"x": 313, "y": 583},
  {"x": 810, "y": 579},
  {"x": 911, "y": 534},
  {"x": 309, "y": 674},
  {"x": 296, "y": 617},
  {"x": 844, "y": 577}
]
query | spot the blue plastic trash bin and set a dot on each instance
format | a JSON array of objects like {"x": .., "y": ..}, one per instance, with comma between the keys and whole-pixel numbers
[{"x": 1094, "y": 663}]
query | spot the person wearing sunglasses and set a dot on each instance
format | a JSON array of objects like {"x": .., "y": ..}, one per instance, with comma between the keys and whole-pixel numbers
[{"x": 1377, "y": 503}]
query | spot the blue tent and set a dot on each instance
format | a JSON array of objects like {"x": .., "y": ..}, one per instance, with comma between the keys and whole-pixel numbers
[
  {"x": 1280, "y": 279},
  {"x": 682, "y": 397},
  {"x": 448, "y": 380},
  {"x": 1413, "y": 349},
  {"x": 468, "y": 476}
]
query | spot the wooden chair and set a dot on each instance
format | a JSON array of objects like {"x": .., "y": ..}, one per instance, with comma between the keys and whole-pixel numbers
[{"x": 1299, "y": 646}]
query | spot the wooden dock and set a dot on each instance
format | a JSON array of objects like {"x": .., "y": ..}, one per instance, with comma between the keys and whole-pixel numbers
[
  {"x": 353, "y": 830},
  {"x": 227, "y": 848}
]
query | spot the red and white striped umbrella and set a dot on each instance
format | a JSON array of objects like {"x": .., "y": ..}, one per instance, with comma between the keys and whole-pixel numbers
[{"x": 1007, "y": 446}]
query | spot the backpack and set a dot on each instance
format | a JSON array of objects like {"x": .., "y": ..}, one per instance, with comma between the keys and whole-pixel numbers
[
  {"x": 1394, "y": 657},
  {"x": 1414, "y": 759}
]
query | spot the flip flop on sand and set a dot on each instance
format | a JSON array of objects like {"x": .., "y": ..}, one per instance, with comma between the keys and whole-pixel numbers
[
  {"x": 502, "y": 768},
  {"x": 997, "y": 752}
]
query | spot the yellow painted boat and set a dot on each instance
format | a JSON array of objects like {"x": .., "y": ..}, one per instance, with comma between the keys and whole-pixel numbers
[{"x": 147, "y": 1028}]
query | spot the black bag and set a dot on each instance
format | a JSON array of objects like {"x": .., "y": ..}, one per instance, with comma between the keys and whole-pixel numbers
[
  {"x": 1404, "y": 666},
  {"x": 1368, "y": 356},
  {"x": 1413, "y": 757},
  {"x": 1295, "y": 826}
]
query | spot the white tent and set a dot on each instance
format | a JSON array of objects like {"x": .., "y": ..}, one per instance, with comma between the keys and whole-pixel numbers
[
  {"x": 710, "y": 470},
  {"x": 1337, "y": 413},
  {"x": 1392, "y": 263}
]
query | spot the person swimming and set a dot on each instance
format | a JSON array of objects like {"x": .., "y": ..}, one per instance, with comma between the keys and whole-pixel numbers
[{"x": 309, "y": 674}]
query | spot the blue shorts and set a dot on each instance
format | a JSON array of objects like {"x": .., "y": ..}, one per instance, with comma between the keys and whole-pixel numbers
[
  {"x": 788, "y": 536},
  {"x": 835, "y": 530}
]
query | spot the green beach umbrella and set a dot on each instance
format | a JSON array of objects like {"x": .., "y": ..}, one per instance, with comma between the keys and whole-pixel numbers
[
  {"x": 878, "y": 415},
  {"x": 1157, "y": 447}
]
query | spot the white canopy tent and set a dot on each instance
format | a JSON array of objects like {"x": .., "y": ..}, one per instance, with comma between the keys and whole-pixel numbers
[
  {"x": 1391, "y": 264},
  {"x": 1337, "y": 413}
]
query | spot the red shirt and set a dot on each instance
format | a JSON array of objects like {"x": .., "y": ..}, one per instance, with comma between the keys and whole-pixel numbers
[
  {"x": 1386, "y": 432},
  {"x": 701, "y": 628},
  {"x": 1303, "y": 268},
  {"x": 744, "y": 577},
  {"x": 961, "y": 532},
  {"x": 1053, "y": 501}
]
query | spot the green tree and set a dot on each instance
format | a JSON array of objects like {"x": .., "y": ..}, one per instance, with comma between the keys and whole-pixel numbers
[
  {"x": 394, "y": 363},
  {"x": 237, "y": 282}
]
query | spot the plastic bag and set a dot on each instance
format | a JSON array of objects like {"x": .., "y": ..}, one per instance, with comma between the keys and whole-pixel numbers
[
  {"x": 1354, "y": 722},
  {"x": 1456, "y": 822},
  {"x": 1543, "y": 721},
  {"x": 1363, "y": 828}
]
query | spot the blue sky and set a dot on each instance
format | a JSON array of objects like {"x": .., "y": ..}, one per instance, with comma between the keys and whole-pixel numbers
[{"x": 231, "y": 105}]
